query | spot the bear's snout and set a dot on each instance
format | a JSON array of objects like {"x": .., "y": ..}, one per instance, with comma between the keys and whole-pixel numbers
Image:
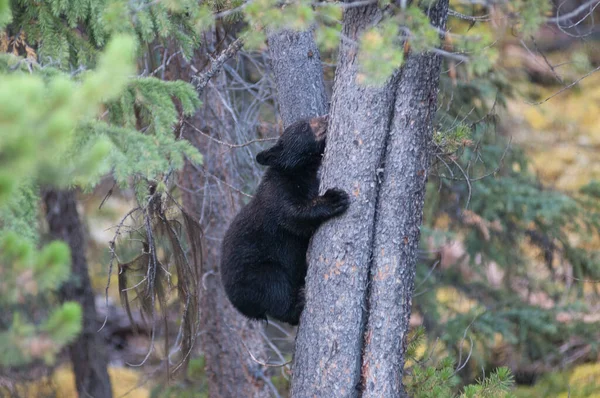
[{"x": 319, "y": 126}]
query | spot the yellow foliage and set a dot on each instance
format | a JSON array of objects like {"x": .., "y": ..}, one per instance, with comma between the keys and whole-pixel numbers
[
  {"x": 586, "y": 374},
  {"x": 125, "y": 380},
  {"x": 455, "y": 300},
  {"x": 562, "y": 135},
  {"x": 579, "y": 174},
  {"x": 548, "y": 166},
  {"x": 4, "y": 41},
  {"x": 581, "y": 382},
  {"x": 62, "y": 384},
  {"x": 575, "y": 395},
  {"x": 442, "y": 222},
  {"x": 527, "y": 391},
  {"x": 537, "y": 118},
  {"x": 432, "y": 350}
]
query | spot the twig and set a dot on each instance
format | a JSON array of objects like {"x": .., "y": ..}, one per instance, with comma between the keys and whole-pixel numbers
[
  {"x": 150, "y": 349},
  {"x": 113, "y": 256},
  {"x": 262, "y": 363},
  {"x": 483, "y": 18},
  {"x": 205, "y": 276},
  {"x": 107, "y": 196},
  {"x": 556, "y": 76},
  {"x": 467, "y": 180},
  {"x": 344, "y": 6},
  {"x": 576, "y": 11},
  {"x": 461, "y": 367},
  {"x": 500, "y": 164},
  {"x": 276, "y": 350},
  {"x": 196, "y": 129},
  {"x": 136, "y": 285},
  {"x": 219, "y": 180},
  {"x": 200, "y": 81},
  {"x": 565, "y": 87},
  {"x": 269, "y": 383},
  {"x": 450, "y": 55},
  {"x": 226, "y": 13},
  {"x": 427, "y": 276}
]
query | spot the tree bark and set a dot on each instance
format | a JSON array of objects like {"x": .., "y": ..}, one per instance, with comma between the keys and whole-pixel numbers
[
  {"x": 227, "y": 339},
  {"x": 398, "y": 219},
  {"x": 363, "y": 262},
  {"x": 87, "y": 352},
  {"x": 296, "y": 64},
  {"x": 328, "y": 346}
]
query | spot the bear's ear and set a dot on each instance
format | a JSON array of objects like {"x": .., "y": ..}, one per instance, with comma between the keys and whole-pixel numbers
[{"x": 269, "y": 157}]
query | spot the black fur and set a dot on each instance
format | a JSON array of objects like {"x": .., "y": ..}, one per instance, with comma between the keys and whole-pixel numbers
[{"x": 263, "y": 262}]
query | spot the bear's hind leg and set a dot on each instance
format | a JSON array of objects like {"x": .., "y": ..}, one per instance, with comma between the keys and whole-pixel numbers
[
  {"x": 281, "y": 298},
  {"x": 293, "y": 309}
]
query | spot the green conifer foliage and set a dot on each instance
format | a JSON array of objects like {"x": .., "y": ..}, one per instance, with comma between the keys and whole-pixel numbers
[
  {"x": 28, "y": 274},
  {"x": 39, "y": 125},
  {"x": 38, "y": 128},
  {"x": 82, "y": 111},
  {"x": 502, "y": 213}
]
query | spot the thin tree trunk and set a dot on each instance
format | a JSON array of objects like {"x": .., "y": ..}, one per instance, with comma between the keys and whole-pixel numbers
[
  {"x": 227, "y": 339},
  {"x": 328, "y": 347},
  {"x": 298, "y": 73},
  {"x": 87, "y": 352},
  {"x": 398, "y": 219}
]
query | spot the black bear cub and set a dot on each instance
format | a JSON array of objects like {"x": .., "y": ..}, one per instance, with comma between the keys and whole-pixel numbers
[{"x": 263, "y": 263}]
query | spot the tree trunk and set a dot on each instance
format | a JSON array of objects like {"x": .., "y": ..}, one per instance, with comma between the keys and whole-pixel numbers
[
  {"x": 228, "y": 340},
  {"x": 398, "y": 219},
  {"x": 298, "y": 73},
  {"x": 328, "y": 346},
  {"x": 363, "y": 262},
  {"x": 88, "y": 355}
]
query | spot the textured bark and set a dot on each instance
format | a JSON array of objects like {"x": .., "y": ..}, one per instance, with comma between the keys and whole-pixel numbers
[
  {"x": 88, "y": 355},
  {"x": 230, "y": 370},
  {"x": 298, "y": 72},
  {"x": 328, "y": 347},
  {"x": 361, "y": 265},
  {"x": 226, "y": 337},
  {"x": 398, "y": 219}
]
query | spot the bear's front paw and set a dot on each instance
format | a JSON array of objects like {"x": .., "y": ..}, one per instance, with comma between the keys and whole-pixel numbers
[{"x": 337, "y": 201}]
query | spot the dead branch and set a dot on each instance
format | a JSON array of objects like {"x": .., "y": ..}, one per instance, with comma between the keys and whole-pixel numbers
[{"x": 201, "y": 80}]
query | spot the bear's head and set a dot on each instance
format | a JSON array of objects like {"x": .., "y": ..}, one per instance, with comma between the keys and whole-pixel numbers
[{"x": 300, "y": 146}]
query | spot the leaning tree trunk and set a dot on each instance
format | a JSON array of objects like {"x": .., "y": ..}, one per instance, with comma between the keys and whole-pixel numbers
[
  {"x": 328, "y": 346},
  {"x": 226, "y": 336},
  {"x": 228, "y": 340},
  {"x": 361, "y": 266},
  {"x": 88, "y": 355},
  {"x": 398, "y": 219}
]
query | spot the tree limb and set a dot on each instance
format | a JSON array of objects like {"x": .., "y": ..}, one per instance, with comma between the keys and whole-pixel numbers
[{"x": 201, "y": 80}]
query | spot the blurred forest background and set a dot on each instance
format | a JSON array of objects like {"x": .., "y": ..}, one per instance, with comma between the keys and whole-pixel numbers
[{"x": 128, "y": 131}]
